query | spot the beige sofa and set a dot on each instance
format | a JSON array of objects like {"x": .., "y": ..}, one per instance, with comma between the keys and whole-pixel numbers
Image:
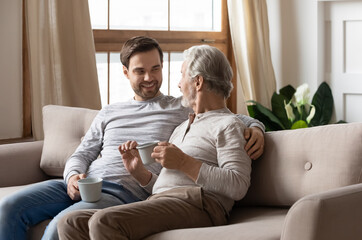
[{"x": 306, "y": 186}]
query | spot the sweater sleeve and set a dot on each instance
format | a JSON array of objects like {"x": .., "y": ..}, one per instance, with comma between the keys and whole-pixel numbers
[
  {"x": 88, "y": 150},
  {"x": 231, "y": 178}
]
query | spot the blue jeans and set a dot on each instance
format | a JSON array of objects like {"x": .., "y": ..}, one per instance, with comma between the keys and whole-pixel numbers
[{"x": 49, "y": 200}]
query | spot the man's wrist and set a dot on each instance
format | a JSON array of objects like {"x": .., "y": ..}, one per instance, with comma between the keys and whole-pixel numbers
[
  {"x": 190, "y": 166},
  {"x": 258, "y": 127},
  {"x": 143, "y": 177},
  {"x": 70, "y": 175}
]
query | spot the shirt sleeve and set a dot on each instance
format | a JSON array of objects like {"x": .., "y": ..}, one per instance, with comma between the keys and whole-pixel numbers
[
  {"x": 150, "y": 184},
  {"x": 251, "y": 122},
  {"x": 231, "y": 178},
  {"x": 88, "y": 150}
]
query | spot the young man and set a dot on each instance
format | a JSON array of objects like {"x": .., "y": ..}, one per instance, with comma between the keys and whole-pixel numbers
[
  {"x": 205, "y": 166},
  {"x": 149, "y": 116}
]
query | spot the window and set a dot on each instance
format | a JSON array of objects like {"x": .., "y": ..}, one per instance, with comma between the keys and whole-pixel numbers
[
  {"x": 174, "y": 15},
  {"x": 177, "y": 25},
  {"x": 202, "y": 22}
]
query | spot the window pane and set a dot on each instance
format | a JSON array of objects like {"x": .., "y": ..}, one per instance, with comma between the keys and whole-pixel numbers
[
  {"x": 120, "y": 89},
  {"x": 175, "y": 73},
  {"x": 139, "y": 14},
  {"x": 191, "y": 15},
  {"x": 102, "y": 70},
  {"x": 164, "y": 86},
  {"x": 98, "y": 13}
]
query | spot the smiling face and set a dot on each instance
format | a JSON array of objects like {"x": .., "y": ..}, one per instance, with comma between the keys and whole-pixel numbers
[{"x": 145, "y": 74}]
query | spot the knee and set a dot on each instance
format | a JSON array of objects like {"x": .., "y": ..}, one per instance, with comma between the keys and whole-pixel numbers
[
  {"x": 10, "y": 219},
  {"x": 66, "y": 223},
  {"x": 97, "y": 220},
  {"x": 74, "y": 224},
  {"x": 7, "y": 209},
  {"x": 109, "y": 224},
  {"x": 102, "y": 225}
]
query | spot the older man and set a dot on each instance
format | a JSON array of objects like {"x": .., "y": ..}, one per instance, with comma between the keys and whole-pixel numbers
[{"x": 205, "y": 166}]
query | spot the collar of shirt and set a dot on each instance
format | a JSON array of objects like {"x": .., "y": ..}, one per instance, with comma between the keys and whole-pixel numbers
[{"x": 204, "y": 114}]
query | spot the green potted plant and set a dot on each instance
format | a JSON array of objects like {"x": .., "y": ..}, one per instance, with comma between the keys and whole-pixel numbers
[{"x": 291, "y": 108}]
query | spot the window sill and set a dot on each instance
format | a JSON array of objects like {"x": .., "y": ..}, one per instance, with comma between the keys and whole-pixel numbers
[{"x": 16, "y": 140}]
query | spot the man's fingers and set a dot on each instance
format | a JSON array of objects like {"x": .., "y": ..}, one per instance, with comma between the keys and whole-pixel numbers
[
  {"x": 163, "y": 143},
  {"x": 247, "y": 133},
  {"x": 256, "y": 154},
  {"x": 81, "y": 176},
  {"x": 121, "y": 149},
  {"x": 155, "y": 154},
  {"x": 256, "y": 151},
  {"x": 250, "y": 143},
  {"x": 133, "y": 145},
  {"x": 127, "y": 146},
  {"x": 72, "y": 192}
]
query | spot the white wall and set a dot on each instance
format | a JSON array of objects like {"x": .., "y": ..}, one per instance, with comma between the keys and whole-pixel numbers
[
  {"x": 293, "y": 31},
  {"x": 10, "y": 69},
  {"x": 294, "y": 41}
]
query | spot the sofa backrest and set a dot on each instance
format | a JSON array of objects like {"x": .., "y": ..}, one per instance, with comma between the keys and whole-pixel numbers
[
  {"x": 64, "y": 128},
  {"x": 295, "y": 163},
  {"x": 300, "y": 162}
]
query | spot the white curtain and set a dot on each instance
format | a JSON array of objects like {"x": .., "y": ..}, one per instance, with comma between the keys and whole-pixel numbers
[
  {"x": 61, "y": 57},
  {"x": 249, "y": 29}
]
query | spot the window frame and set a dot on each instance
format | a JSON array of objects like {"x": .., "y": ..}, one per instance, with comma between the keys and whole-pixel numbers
[
  {"x": 111, "y": 40},
  {"x": 27, "y": 124}
]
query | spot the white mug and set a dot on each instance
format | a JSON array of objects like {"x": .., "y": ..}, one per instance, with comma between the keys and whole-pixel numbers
[
  {"x": 145, "y": 151},
  {"x": 90, "y": 189}
]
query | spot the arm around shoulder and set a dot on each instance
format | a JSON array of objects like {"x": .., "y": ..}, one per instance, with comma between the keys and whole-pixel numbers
[{"x": 251, "y": 122}]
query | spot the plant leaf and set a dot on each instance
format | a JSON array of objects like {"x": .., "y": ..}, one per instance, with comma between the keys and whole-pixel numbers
[
  {"x": 278, "y": 109},
  {"x": 323, "y": 102},
  {"x": 268, "y": 114},
  {"x": 299, "y": 124},
  {"x": 288, "y": 92},
  {"x": 255, "y": 113},
  {"x": 251, "y": 111}
]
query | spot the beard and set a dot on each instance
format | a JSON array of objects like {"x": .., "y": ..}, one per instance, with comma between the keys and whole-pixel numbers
[
  {"x": 188, "y": 101},
  {"x": 147, "y": 94}
]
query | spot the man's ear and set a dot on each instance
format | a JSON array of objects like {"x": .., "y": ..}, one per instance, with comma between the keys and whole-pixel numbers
[
  {"x": 199, "y": 82},
  {"x": 125, "y": 72}
]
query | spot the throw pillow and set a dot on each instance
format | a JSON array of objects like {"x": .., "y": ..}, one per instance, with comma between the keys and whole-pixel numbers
[{"x": 63, "y": 129}]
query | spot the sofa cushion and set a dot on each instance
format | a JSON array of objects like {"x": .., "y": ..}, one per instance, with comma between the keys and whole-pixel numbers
[
  {"x": 244, "y": 223},
  {"x": 6, "y": 191},
  {"x": 63, "y": 129},
  {"x": 300, "y": 162}
]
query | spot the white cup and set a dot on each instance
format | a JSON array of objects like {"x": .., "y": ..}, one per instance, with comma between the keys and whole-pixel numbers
[
  {"x": 145, "y": 151},
  {"x": 90, "y": 189}
]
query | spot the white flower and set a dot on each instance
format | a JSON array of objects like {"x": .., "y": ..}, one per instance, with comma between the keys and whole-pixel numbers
[
  {"x": 302, "y": 94},
  {"x": 289, "y": 111},
  {"x": 311, "y": 114}
]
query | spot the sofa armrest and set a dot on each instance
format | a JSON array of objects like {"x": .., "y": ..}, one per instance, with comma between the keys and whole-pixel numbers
[
  {"x": 332, "y": 215},
  {"x": 20, "y": 164}
]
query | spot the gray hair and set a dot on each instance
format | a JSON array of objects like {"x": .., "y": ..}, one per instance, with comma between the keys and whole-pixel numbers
[{"x": 210, "y": 63}]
